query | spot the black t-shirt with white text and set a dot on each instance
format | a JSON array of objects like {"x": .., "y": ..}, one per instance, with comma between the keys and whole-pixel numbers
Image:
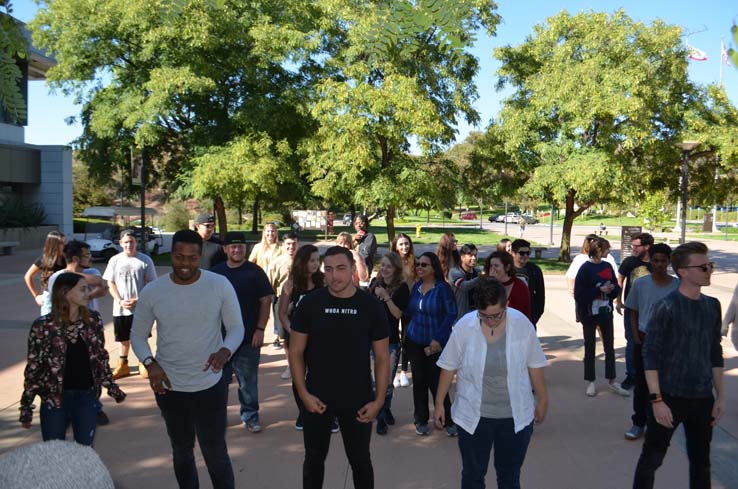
[{"x": 340, "y": 335}]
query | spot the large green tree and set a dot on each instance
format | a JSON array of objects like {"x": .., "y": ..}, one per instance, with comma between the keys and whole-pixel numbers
[
  {"x": 13, "y": 48},
  {"x": 187, "y": 79},
  {"x": 597, "y": 103},
  {"x": 397, "y": 72}
]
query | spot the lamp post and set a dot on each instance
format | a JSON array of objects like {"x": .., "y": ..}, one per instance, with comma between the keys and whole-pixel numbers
[{"x": 686, "y": 147}]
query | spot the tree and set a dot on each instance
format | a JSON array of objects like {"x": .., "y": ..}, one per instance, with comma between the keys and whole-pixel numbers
[
  {"x": 183, "y": 78},
  {"x": 598, "y": 102},
  {"x": 397, "y": 71},
  {"x": 13, "y": 47}
]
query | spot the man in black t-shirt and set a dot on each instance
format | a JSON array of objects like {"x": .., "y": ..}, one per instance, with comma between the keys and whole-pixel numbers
[
  {"x": 338, "y": 325},
  {"x": 632, "y": 268},
  {"x": 255, "y": 300}
]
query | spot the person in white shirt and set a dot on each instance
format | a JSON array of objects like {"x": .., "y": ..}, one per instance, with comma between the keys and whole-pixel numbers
[
  {"x": 189, "y": 305},
  {"x": 127, "y": 273},
  {"x": 500, "y": 388},
  {"x": 79, "y": 260}
]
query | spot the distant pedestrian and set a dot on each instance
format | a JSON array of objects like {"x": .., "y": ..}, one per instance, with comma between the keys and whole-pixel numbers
[
  {"x": 255, "y": 300},
  {"x": 212, "y": 247},
  {"x": 521, "y": 225},
  {"x": 594, "y": 290},
  {"x": 500, "y": 388},
  {"x": 500, "y": 265},
  {"x": 50, "y": 261},
  {"x": 127, "y": 274},
  {"x": 67, "y": 364},
  {"x": 532, "y": 275},
  {"x": 339, "y": 325},
  {"x": 683, "y": 361},
  {"x": 190, "y": 306},
  {"x": 365, "y": 242}
]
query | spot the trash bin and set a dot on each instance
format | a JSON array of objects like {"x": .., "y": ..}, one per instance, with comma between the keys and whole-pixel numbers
[{"x": 418, "y": 228}]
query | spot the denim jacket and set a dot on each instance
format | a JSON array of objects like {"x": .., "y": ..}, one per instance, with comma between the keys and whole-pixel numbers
[{"x": 47, "y": 352}]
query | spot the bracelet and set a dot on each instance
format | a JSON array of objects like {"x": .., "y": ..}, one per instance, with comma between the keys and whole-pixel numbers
[{"x": 657, "y": 401}]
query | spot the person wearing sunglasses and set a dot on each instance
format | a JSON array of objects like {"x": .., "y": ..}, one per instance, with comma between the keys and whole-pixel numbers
[
  {"x": 432, "y": 312},
  {"x": 500, "y": 389},
  {"x": 532, "y": 275},
  {"x": 683, "y": 362}
]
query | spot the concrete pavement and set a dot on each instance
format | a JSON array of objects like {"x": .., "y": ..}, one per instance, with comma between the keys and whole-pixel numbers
[{"x": 579, "y": 445}]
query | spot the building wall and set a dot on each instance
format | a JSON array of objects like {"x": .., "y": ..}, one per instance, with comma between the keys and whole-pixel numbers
[
  {"x": 12, "y": 134},
  {"x": 54, "y": 192}
]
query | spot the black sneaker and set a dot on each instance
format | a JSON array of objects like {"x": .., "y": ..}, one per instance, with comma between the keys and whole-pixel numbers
[
  {"x": 628, "y": 383},
  {"x": 277, "y": 345},
  {"x": 381, "y": 426},
  {"x": 388, "y": 417},
  {"x": 102, "y": 418},
  {"x": 334, "y": 426},
  {"x": 298, "y": 423}
]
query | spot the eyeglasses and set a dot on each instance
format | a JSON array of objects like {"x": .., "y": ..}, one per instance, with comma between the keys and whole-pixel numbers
[
  {"x": 707, "y": 267},
  {"x": 524, "y": 253},
  {"x": 423, "y": 264},
  {"x": 491, "y": 317}
]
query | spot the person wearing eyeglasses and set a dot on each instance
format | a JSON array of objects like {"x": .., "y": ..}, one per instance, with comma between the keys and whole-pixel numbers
[
  {"x": 432, "y": 313},
  {"x": 500, "y": 388},
  {"x": 683, "y": 362},
  {"x": 212, "y": 247},
  {"x": 631, "y": 268},
  {"x": 595, "y": 287},
  {"x": 533, "y": 277}
]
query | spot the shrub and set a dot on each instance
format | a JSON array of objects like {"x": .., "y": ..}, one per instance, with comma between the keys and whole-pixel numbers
[
  {"x": 175, "y": 217},
  {"x": 14, "y": 213}
]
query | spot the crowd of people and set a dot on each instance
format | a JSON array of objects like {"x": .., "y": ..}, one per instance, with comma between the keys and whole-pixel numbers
[{"x": 416, "y": 320}]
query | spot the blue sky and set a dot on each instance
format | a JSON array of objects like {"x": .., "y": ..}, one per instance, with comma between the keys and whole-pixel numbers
[{"x": 708, "y": 21}]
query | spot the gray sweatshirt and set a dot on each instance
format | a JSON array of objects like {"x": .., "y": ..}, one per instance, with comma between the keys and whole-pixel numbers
[{"x": 188, "y": 320}]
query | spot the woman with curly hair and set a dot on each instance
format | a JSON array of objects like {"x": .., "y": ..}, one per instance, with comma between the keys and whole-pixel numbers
[
  {"x": 500, "y": 265},
  {"x": 51, "y": 260},
  {"x": 305, "y": 276},
  {"x": 67, "y": 364},
  {"x": 448, "y": 253}
]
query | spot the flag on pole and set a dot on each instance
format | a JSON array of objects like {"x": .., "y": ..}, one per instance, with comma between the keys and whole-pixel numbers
[
  {"x": 724, "y": 53},
  {"x": 695, "y": 54}
]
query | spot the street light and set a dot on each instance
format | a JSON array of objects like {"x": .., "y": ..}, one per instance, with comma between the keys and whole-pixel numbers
[{"x": 686, "y": 147}]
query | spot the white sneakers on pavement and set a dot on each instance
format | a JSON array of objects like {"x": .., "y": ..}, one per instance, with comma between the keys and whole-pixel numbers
[
  {"x": 591, "y": 389},
  {"x": 286, "y": 374}
]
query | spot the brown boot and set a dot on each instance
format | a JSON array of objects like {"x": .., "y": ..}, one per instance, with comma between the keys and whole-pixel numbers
[
  {"x": 122, "y": 370},
  {"x": 142, "y": 371}
]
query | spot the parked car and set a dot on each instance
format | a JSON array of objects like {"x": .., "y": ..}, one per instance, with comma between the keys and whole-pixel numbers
[
  {"x": 468, "y": 216},
  {"x": 493, "y": 218},
  {"x": 509, "y": 217},
  {"x": 530, "y": 219}
]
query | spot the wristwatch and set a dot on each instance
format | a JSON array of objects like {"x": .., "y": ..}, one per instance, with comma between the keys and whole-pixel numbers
[
  {"x": 655, "y": 397},
  {"x": 148, "y": 361}
]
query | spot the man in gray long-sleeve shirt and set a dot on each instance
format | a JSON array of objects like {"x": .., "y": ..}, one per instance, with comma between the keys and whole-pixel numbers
[
  {"x": 189, "y": 306},
  {"x": 683, "y": 362}
]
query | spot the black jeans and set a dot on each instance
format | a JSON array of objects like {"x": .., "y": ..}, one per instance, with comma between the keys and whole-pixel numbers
[
  {"x": 425, "y": 377},
  {"x": 640, "y": 390},
  {"x": 696, "y": 414},
  {"x": 589, "y": 329},
  {"x": 201, "y": 414},
  {"x": 317, "y": 438}
]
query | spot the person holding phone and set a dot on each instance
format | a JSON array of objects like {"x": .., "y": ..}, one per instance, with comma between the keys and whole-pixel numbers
[{"x": 595, "y": 287}]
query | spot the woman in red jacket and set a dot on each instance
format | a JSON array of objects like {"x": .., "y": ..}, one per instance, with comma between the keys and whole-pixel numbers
[{"x": 500, "y": 265}]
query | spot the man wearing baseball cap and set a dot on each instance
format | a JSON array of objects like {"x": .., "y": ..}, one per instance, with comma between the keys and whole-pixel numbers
[
  {"x": 212, "y": 251},
  {"x": 255, "y": 299}
]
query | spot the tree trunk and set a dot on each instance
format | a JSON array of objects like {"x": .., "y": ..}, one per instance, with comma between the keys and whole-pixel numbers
[
  {"x": 427, "y": 216},
  {"x": 569, "y": 216},
  {"x": 240, "y": 213},
  {"x": 220, "y": 215},
  {"x": 255, "y": 214},
  {"x": 390, "y": 223}
]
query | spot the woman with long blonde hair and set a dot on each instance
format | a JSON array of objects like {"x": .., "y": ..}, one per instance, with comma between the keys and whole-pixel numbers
[
  {"x": 267, "y": 249},
  {"x": 51, "y": 260}
]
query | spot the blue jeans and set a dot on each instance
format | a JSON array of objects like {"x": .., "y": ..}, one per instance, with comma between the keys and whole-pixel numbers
[
  {"x": 630, "y": 370},
  {"x": 510, "y": 450},
  {"x": 201, "y": 414},
  {"x": 394, "y": 352},
  {"x": 79, "y": 407},
  {"x": 245, "y": 365}
]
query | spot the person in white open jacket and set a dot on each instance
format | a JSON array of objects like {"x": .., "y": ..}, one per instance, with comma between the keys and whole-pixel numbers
[{"x": 500, "y": 388}]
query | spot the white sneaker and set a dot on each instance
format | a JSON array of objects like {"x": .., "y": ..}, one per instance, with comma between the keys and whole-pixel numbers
[
  {"x": 396, "y": 383},
  {"x": 591, "y": 390},
  {"x": 404, "y": 381},
  {"x": 618, "y": 389},
  {"x": 286, "y": 374}
]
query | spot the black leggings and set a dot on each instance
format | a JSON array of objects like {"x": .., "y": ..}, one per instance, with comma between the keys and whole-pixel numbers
[{"x": 425, "y": 377}]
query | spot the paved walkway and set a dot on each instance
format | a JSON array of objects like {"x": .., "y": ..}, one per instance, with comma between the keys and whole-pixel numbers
[{"x": 579, "y": 445}]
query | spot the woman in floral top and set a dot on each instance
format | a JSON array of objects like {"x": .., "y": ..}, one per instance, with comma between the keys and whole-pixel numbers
[{"x": 67, "y": 364}]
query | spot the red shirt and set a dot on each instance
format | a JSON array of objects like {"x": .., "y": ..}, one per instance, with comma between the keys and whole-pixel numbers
[{"x": 519, "y": 297}]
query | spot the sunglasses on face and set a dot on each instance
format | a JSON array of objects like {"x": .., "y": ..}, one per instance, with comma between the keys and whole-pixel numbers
[
  {"x": 524, "y": 253},
  {"x": 423, "y": 264},
  {"x": 707, "y": 267}
]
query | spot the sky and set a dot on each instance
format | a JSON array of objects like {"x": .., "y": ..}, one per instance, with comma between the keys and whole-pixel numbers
[{"x": 706, "y": 22}]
